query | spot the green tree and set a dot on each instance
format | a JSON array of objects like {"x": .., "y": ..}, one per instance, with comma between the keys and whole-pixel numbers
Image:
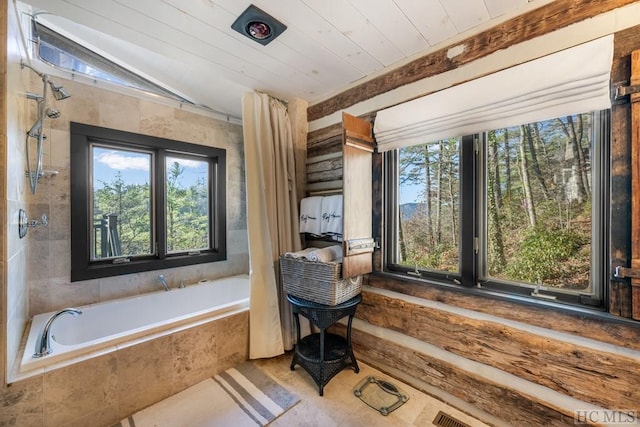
[
  {"x": 132, "y": 205},
  {"x": 187, "y": 209}
]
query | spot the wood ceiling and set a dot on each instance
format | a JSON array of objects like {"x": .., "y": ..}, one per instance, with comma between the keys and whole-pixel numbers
[{"x": 329, "y": 45}]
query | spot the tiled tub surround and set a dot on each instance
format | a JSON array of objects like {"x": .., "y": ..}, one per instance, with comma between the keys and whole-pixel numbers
[
  {"x": 116, "y": 324},
  {"x": 98, "y": 391},
  {"x": 103, "y": 389}
]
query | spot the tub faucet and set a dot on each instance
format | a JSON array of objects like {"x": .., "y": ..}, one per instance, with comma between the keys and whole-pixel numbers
[
  {"x": 43, "y": 342},
  {"x": 163, "y": 282}
]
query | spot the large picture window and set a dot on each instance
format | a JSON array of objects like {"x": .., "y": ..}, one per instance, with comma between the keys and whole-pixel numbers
[
  {"x": 520, "y": 209},
  {"x": 143, "y": 203}
]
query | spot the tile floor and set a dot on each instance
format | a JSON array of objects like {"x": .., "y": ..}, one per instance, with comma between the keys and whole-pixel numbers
[{"x": 340, "y": 408}]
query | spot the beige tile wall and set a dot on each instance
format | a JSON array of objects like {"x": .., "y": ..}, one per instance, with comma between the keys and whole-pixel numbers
[
  {"x": 38, "y": 267},
  {"x": 49, "y": 248},
  {"x": 14, "y": 255}
]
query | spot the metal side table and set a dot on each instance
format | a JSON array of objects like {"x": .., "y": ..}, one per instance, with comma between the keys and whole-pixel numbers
[{"x": 323, "y": 354}]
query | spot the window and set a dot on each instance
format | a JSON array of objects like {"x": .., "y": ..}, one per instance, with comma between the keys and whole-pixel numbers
[
  {"x": 428, "y": 204},
  {"x": 61, "y": 52},
  {"x": 143, "y": 203},
  {"x": 520, "y": 209}
]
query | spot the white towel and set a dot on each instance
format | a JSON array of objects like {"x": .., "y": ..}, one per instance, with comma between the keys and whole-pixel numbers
[
  {"x": 300, "y": 254},
  {"x": 310, "y": 213},
  {"x": 328, "y": 254},
  {"x": 331, "y": 215}
]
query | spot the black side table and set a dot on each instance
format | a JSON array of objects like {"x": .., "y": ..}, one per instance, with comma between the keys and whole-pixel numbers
[{"x": 323, "y": 354}]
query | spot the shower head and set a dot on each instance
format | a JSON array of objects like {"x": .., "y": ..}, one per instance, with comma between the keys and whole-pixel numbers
[
  {"x": 59, "y": 92},
  {"x": 52, "y": 113}
]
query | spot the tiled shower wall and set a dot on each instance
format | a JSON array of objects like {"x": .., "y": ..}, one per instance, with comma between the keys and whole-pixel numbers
[
  {"x": 100, "y": 390},
  {"x": 50, "y": 247},
  {"x": 15, "y": 254}
]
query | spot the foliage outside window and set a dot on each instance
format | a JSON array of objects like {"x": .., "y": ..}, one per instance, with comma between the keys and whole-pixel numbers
[
  {"x": 428, "y": 184},
  {"x": 518, "y": 209},
  {"x": 142, "y": 203}
]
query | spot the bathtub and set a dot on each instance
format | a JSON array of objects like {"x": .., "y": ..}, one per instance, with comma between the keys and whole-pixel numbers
[{"x": 109, "y": 326}]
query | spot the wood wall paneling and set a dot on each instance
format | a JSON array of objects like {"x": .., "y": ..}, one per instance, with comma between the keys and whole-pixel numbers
[
  {"x": 635, "y": 184},
  {"x": 325, "y": 141},
  {"x": 618, "y": 291},
  {"x": 357, "y": 198},
  {"x": 604, "y": 378},
  {"x": 497, "y": 399},
  {"x": 575, "y": 370},
  {"x": 324, "y": 174},
  {"x": 624, "y": 334},
  {"x": 620, "y": 213}
]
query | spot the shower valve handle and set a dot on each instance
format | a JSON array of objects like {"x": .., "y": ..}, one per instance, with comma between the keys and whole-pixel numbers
[{"x": 44, "y": 221}]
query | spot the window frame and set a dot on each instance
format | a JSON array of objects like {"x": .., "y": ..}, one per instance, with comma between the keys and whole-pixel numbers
[
  {"x": 82, "y": 138},
  {"x": 470, "y": 275},
  {"x": 117, "y": 74}
]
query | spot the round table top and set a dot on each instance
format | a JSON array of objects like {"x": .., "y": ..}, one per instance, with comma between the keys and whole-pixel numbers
[{"x": 303, "y": 303}]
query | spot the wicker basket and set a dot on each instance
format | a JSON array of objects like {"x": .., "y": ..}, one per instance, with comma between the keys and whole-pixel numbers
[{"x": 319, "y": 282}]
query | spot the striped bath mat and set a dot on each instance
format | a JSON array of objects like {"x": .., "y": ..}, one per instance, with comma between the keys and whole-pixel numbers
[{"x": 240, "y": 396}]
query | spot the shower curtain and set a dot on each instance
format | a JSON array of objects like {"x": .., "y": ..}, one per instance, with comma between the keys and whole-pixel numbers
[{"x": 272, "y": 220}]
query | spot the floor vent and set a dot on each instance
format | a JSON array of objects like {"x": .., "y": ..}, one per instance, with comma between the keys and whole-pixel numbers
[{"x": 446, "y": 420}]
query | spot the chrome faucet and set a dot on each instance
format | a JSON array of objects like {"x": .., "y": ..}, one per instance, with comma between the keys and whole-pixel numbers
[
  {"x": 43, "y": 343},
  {"x": 163, "y": 282}
]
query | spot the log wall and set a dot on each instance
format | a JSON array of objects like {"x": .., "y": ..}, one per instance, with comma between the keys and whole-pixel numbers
[
  {"x": 508, "y": 404},
  {"x": 554, "y": 360},
  {"x": 587, "y": 358}
]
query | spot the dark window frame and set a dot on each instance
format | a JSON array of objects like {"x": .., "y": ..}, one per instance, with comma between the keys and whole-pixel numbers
[
  {"x": 470, "y": 278},
  {"x": 82, "y": 268}
]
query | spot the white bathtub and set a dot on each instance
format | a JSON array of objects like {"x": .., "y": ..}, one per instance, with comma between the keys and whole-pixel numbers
[{"x": 107, "y": 326}]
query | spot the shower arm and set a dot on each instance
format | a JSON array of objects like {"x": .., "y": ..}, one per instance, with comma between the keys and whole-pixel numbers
[{"x": 25, "y": 65}]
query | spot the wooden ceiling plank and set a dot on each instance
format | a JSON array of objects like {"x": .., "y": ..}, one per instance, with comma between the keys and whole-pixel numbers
[
  {"x": 430, "y": 18},
  {"x": 466, "y": 14},
  {"x": 350, "y": 22},
  {"x": 498, "y": 8},
  {"x": 391, "y": 21}
]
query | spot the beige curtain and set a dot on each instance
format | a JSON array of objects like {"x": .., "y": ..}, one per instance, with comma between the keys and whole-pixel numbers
[{"x": 272, "y": 219}]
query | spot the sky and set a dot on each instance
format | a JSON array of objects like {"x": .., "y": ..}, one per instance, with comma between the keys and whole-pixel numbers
[{"x": 135, "y": 167}]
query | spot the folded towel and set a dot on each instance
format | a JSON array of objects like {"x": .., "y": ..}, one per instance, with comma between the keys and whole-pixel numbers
[
  {"x": 328, "y": 254},
  {"x": 310, "y": 213},
  {"x": 331, "y": 215},
  {"x": 300, "y": 254}
]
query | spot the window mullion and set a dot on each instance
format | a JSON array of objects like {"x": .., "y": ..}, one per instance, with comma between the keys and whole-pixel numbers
[
  {"x": 468, "y": 208},
  {"x": 391, "y": 200},
  {"x": 160, "y": 203}
]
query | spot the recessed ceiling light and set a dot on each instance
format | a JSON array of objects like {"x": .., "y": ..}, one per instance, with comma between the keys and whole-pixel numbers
[{"x": 258, "y": 25}]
